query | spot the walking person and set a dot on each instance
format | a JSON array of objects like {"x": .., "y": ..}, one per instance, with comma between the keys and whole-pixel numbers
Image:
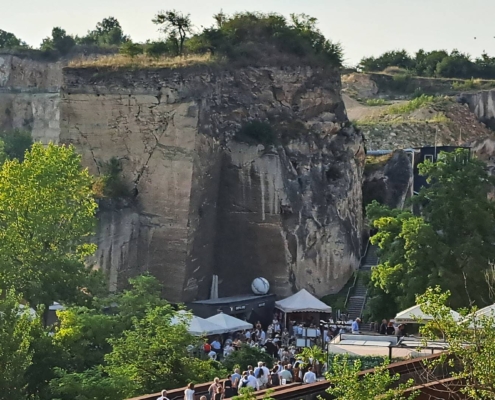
[
  {"x": 383, "y": 327},
  {"x": 219, "y": 395},
  {"x": 309, "y": 376},
  {"x": 163, "y": 396},
  {"x": 274, "y": 376},
  {"x": 228, "y": 387},
  {"x": 213, "y": 389}
]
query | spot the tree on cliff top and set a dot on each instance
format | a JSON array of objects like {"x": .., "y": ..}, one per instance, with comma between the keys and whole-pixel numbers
[
  {"x": 10, "y": 41},
  {"x": 59, "y": 41},
  {"x": 47, "y": 215},
  {"x": 175, "y": 24},
  {"x": 108, "y": 32},
  {"x": 450, "y": 244}
]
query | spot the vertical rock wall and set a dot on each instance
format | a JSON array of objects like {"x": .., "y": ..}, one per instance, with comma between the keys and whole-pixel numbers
[
  {"x": 29, "y": 96},
  {"x": 483, "y": 105},
  {"x": 203, "y": 203}
]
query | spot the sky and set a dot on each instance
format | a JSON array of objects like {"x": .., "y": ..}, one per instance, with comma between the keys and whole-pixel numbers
[{"x": 363, "y": 27}]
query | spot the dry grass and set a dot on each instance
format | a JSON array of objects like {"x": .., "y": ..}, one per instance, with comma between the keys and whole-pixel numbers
[{"x": 117, "y": 61}]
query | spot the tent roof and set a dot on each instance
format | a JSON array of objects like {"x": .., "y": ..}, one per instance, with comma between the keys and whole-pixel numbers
[
  {"x": 488, "y": 311},
  {"x": 414, "y": 315},
  {"x": 197, "y": 326},
  {"x": 302, "y": 301},
  {"x": 231, "y": 324}
]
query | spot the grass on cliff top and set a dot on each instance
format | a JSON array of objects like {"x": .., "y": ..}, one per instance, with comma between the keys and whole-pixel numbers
[{"x": 141, "y": 61}]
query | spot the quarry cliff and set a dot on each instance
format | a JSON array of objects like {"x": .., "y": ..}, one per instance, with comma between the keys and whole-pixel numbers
[{"x": 207, "y": 201}]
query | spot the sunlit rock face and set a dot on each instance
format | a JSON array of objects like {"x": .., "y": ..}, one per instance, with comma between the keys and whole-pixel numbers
[{"x": 204, "y": 203}]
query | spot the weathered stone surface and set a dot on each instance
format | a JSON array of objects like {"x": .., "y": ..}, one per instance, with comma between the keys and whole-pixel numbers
[
  {"x": 206, "y": 204},
  {"x": 483, "y": 105},
  {"x": 29, "y": 96},
  {"x": 390, "y": 182}
]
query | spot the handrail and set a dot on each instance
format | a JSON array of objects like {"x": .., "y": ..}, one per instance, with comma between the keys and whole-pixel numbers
[
  {"x": 356, "y": 274},
  {"x": 364, "y": 303}
]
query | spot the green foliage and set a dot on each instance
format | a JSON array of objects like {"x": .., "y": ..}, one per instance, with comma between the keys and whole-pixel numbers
[
  {"x": 16, "y": 143},
  {"x": 115, "y": 187},
  {"x": 131, "y": 49},
  {"x": 10, "y": 41},
  {"x": 59, "y": 41},
  {"x": 158, "y": 49},
  {"x": 108, "y": 32},
  {"x": 376, "y": 102},
  {"x": 473, "y": 361},
  {"x": 403, "y": 83},
  {"x": 257, "y": 37},
  {"x": 16, "y": 328},
  {"x": 347, "y": 384},
  {"x": 256, "y": 132},
  {"x": 449, "y": 244},
  {"x": 412, "y": 105},
  {"x": 245, "y": 356},
  {"x": 47, "y": 217},
  {"x": 248, "y": 393},
  {"x": 437, "y": 63},
  {"x": 176, "y": 25}
]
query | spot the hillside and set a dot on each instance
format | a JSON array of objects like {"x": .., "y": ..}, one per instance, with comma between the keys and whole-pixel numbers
[{"x": 422, "y": 112}]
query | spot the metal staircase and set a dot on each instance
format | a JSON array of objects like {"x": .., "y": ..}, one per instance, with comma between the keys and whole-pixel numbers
[{"x": 357, "y": 300}]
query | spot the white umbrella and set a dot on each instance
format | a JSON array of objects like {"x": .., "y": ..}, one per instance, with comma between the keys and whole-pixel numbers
[
  {"x": 414, "y": 315},
  {"x": 229, "y": 323},
  {"x": 197, "y": 326}
]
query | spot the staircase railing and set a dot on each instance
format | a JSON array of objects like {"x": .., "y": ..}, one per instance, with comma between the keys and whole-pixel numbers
[
  {"x": 356, "y": 273},
  {"x": 364, "y": 303}
]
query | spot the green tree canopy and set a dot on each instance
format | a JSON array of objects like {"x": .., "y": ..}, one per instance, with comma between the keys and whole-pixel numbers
[
  {"x": 47, "y": 215},
  {"x": 10, "y": 41},
  {"x": 59, "y": 41},
  {"x": 108, "y": 32},
  {"x": 449, "y": 244},
  {"x": 175, "y": 24}
]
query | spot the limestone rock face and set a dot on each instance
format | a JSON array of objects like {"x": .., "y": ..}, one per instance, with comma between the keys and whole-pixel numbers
[
  {"x": 389, "y": 182},
  {"x": 483, "y": 105},
  {"x": 207, "y": 204},
  {"x": 29, "y": 96}
]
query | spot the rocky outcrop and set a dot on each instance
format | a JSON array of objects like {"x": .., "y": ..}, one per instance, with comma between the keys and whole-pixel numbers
[
  {"x": 388, "y": 179},
  {"x": 206, "y": 203},
  {"x": 29, "y": 96},
  {"x": 482, "y": 104}
]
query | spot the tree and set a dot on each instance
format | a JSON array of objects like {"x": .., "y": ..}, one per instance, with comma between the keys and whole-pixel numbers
[
  {"x": 59, "y": 41},
  {"x": 16, "y": 142},
  {"x": 348, "y": 384},
  {"x": 245, "y": 356},
  {"x": 471, "y": 343},
  {"x": 47, "y": 215},
  {"x": 449, "y": 244},
  {"x": 154, "y": 354},
  {"x": 131, "y": 49},
  {"x": 175, "y": 23},
  {"x": 10, "y": 41},
  {"x": 16, "y": 327},
  {"x": 108, "y": 32}
]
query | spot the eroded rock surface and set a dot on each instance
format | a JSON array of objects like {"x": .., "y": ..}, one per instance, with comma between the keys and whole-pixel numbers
[{"x": 206, "y": 204}]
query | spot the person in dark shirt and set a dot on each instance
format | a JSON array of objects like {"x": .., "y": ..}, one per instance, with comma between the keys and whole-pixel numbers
[
  {"x": 228, "y": 387},
  {"x": 383, "y": 327},
  {"x": 390, "y": 329},
  {"x": 274, "y": 377}
]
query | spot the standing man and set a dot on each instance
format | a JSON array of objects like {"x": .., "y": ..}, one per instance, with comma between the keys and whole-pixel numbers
[
  {"x": 310, "y": 376},
  {"x": 217, "y": 348}
]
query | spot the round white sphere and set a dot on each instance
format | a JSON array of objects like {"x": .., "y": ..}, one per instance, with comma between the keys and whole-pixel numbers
[{"x": 260, "y": 286}]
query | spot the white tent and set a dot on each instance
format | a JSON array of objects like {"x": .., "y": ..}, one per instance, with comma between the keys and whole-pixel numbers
[
  {"x": 302, "y": 301},
  {"x": 229, "y": 323},
  {"x": 197, "y": 326},
  {"x": 487, "y": 312},
  {"x": 415, "y": 315}
]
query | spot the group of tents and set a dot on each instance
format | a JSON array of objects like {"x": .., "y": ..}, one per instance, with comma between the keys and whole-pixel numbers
[{"x": 215, "y": 325}]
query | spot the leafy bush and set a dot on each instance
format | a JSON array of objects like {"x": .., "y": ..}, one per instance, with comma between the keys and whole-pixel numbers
[
  {"x": 59, "y": 41},
  {"x": 115, "y": 187},
  {"x": 158, "y": 49},
  {"x": 403, "y": 83},
  {"x": 256, "y": 132},
  {"x": 469, "y": 84},
  {"x": 411, "y": 105},
  {"x": 131, "y": 49},
  {"x": 16, "y": 142},
  {"x": 245, "y": 356}
]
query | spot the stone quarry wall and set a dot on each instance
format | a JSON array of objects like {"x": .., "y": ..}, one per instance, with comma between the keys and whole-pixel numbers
[
  {"x": 29, "y": 96},
  {"x": 206, "y": 204},
  {"x": 483, "y": 105}
]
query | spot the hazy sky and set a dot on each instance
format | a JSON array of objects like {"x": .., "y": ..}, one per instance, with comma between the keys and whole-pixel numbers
[{"x": 364, "y": 27}]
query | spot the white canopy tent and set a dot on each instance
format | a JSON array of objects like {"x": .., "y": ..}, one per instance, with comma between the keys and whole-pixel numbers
[
  {"x": 414, "y": 315},
  {"x": 229, "y": 323},
  {"x": 487, "y": 312},
  {"x": 302, "y": 301},
  {"x": 197, "y": 326}
]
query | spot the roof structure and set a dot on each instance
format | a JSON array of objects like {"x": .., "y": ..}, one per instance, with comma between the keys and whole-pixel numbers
[
  {"x": 302, "y": 301},
  {"x": 197, "y": 326},
  {"x": 414, "y": 315},
  {"x": 229, "y": 323}
]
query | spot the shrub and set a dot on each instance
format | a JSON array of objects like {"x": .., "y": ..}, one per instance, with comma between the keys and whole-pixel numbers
[
  {"x": 411, "y": 105},
  {"x": 256, "y": 132},
  {"x": 16, "y": 142},
  {"x": 157, "y": 49},
  {"x": 115, "y": 187},
  {"x": 131, "y": 49},
  {"x": 403, "y": 83},
  {"x": 245, "y": 356}
]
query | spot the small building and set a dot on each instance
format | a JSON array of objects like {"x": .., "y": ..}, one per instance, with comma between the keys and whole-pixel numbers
[
  {"x": 250, "y": 307},
  {"x": 431, "y": 153}
]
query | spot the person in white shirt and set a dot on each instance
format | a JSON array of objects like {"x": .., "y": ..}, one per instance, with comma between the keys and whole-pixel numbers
[
  {"x": 163, "y": 396},
  {"x": 227, "y": 350},
  {"x": 189, "y": 392},
  {"x": 213, "y": 355},
  {"x": 248, "y": 335},
  {"x": 262, "y": 337},
  {"x": 310, "y": 376},
  {"x": 252, "y": 381}
]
